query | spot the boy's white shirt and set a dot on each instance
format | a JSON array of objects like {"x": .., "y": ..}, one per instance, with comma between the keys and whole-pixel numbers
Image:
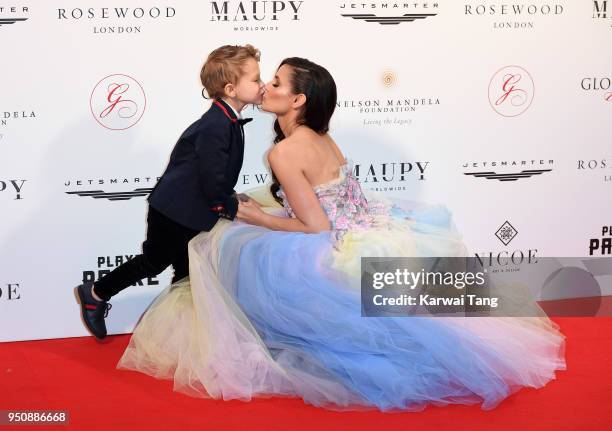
[{"x": 238, "y": 114}]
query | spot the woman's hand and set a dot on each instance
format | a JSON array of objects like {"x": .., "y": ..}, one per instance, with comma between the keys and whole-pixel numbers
[
  {"x": 244, "y": 198},
  {"x": 254, "y": 202},
  {"x": 250, "y": 212}
]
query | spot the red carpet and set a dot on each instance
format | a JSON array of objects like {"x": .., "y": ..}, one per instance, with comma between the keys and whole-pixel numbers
[{"x": 79, "y": 375}]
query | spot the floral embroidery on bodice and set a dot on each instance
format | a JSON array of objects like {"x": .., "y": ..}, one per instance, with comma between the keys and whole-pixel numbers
[{"x": 343, "y": 201}]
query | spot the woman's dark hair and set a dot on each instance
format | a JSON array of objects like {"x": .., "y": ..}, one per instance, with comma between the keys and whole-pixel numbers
[{"x": 317, "y": 84}]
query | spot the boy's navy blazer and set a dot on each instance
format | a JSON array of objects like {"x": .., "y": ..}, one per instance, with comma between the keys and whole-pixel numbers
[{"x": 197, "y": 187}]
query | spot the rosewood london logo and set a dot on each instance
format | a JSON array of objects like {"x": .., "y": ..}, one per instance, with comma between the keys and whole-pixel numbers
[
  {"x": 117, "y": 102},
  {"x": 388, "y": 13},
  {"x": 116, "y": 21},
  {"x": 515, "y": 16},
  {"x": 601, "y": 168},
  {"x": 511, "y": 91}
]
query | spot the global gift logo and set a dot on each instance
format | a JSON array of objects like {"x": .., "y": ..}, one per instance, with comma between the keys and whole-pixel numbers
[
  {"x": 511, "y": 91},
  {"x": 118, "y": 102}
]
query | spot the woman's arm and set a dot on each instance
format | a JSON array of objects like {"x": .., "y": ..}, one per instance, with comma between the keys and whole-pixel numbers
[{"x": 285, "y": 162}]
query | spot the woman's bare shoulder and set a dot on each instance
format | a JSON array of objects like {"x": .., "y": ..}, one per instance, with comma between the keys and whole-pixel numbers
[
  {"x": 284, "y": 151},
  {"x": 294, "y": 147}
]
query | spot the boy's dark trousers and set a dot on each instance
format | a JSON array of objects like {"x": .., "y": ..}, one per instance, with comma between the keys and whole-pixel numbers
[
  {"x": 165, "y": 245},
  {"x": 195, "y": 190}
]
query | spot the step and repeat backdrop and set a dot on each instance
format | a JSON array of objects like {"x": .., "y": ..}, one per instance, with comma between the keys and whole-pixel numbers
[{"x": 502, "y": 111}]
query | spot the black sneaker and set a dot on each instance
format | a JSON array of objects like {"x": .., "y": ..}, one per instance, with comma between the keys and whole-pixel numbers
[{"x": 92, "y": 310}]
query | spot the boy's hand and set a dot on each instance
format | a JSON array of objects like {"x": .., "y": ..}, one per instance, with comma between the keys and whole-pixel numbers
[{"x": 229, "y": 210}]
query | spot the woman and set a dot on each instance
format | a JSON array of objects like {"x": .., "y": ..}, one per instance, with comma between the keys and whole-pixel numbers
[{"x": 273, "y": 303}]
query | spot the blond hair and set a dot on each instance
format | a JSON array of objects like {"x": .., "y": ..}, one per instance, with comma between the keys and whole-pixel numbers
[{"x": 224, "y": 66}]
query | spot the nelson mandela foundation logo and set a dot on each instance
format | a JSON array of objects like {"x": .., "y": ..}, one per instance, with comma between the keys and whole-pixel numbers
[
  {"x": 388, "y": 13},
  {"x": 256, "y": 16},
  {"x": 11, "y": 119},
  {"x": 387, "y": 108},
  {"x": 117, "y": 102},
  {"x": 389, "y": 78},
  {"x": 11, "y": 16},
  {"x": 112, "y": 189}
]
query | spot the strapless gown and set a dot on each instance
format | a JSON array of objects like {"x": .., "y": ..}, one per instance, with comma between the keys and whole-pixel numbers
[{"x": 267, "y": 313}]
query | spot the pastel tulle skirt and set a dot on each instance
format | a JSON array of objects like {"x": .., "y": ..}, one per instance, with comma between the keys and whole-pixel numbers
[{"x": 268, "y": 313}]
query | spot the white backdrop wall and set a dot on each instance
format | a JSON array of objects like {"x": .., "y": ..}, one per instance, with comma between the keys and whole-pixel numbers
[{"x": 426, "y": 99}]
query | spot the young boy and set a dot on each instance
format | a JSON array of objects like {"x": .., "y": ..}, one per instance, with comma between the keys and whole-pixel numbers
[{"x": 196, "y": 188}]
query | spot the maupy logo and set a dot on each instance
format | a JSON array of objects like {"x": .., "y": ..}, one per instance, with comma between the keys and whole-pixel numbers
[
  {"x": 511, "y": 91},
  {"x": 13, "y": 187},
  {"x": 118, "y": 102},
  {"x": 389, "y": 176},
  {"x": 602, "y": 10}
]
